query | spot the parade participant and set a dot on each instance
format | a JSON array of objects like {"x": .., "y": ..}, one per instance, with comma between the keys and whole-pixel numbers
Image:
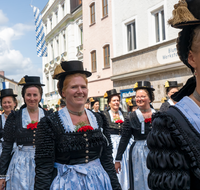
[
  {"x": 132, "y": 105},
  {"x": 94, "y": 104},
  {"x": 45, "y": 107},
  {"x": 62, "y": 103},
  {"x": 138, "y": 124},
  {"x": 115, "y": 117},
  {"x": 171, "y": 88},
  {"x": 19, "y": 172},
  {"x": 174, "y": 145},
  {"x": 8, "y": 103},
  {"x": 57, "y": 107},
  {"x": 73, "y": 147},
  {"x": 87, "y": 104}
]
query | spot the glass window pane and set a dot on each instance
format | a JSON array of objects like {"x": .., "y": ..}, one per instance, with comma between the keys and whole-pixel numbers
[
  {"x": 157, "y": 27},
  {"x": 163, "y": 24}
]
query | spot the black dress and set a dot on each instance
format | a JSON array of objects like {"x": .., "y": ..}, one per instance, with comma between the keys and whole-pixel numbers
[
  {"x": 174, "y": 157},
  {"x": 53, "y": 144},
  {"x": 138, "y": 150}
]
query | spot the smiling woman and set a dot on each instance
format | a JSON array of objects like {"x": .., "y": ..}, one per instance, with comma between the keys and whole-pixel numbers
[
  {"x": 20, "y": 170},
  {"x": 74, "y": 139}
]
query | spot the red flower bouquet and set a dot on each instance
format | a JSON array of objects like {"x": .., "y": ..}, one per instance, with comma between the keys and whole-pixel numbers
[
  {"x": 85, "y": 128},
  {"x": 32, "y": 125},
  {"x": 119, "y": 121},
  {"x": 147, "y": 120}
]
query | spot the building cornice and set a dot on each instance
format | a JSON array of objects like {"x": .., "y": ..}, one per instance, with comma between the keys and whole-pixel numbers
[
  {"x": 149, "y": 71},
  {"x": 142, "y": 51}
]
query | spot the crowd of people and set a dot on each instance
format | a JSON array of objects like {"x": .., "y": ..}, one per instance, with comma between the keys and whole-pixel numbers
[{"x": 80, "y": 147}]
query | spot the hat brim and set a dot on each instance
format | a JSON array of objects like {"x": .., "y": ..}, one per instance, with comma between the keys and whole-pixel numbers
[
  {"x": 117, "y": 94},
  {"x": 14, "y": 95},
  {"x": 87, "y": 73},
  {"x": 32, "y": 83},
  {"x": 143, "y": 88},
  {"x": 189, "y": 23}
]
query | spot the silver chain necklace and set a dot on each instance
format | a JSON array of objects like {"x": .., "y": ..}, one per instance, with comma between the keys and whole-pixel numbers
[
  {"x": 196, "y": 95},
  {"x": 145, "y": 110},
  {"x": 79, "y": 113}
]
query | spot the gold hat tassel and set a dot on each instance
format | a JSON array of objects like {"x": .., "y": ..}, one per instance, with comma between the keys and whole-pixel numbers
[{"x": 181, "y": 13}]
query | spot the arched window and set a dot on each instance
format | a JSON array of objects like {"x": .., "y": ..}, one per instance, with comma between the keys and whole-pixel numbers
[
  {"x": 106, "y": 52},
  {"x": 92, "y": 13}
]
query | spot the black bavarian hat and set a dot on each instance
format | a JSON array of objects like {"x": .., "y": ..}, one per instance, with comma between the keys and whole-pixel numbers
[
  {"x": 169, "y": 84},
  {"x": 143, "y": 85},
  {"x": 185, "y": 13},
  {"x": 70, "y": 67},
  {"x": 93, "y": 100},
  {"x": 110, "y": 93},
  {"x": 7, "y": 92},
  {"x": 30, "y": 80}
]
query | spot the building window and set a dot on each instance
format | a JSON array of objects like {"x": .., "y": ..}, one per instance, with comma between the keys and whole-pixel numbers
[
  {"x": 106, "y": 52},
  {"x": 131, "y": 36},
  {"x": 50, "y": 23},
  {"x": 63, "y": 10},
  {"x": 105, "y": 7},
  {"x": 80, "y": 1},
  {"x": 64, "y": 43},
  {"x": 92, "y": 13},
  {"x": 93, "y": 61},
  {"x": 56, "y": 14},
  {"x": 57, "y": 43},
  {"x": 159, "y": 26}
]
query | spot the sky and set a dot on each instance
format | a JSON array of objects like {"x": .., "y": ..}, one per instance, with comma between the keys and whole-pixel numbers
[{"x": 18, "y": 56}]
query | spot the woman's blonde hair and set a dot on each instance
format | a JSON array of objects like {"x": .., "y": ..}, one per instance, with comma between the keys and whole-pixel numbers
[{"x": 64, "y": 82}]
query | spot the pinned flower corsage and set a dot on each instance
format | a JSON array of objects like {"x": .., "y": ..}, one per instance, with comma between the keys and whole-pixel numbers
[
  {"x": 83, "y": 127},
  {"x": 119, "y": 121},
  {"x": 32, "y": 125},
  {"x": 147, "y": 120}
]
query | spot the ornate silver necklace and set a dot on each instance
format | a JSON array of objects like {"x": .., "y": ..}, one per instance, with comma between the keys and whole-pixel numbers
[
  {"x": 79, "y": 113},
  {"x": 115, "y": 112},
  {"x": 196, "y": 95}
]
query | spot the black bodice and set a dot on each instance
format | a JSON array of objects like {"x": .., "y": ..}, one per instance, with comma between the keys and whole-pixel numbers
[
  {"x": 114, "y": 128},
  {"x": 131, "y": 126},
  {"x": 164, "y": 106},
  {"x": 1, "y": 128}
]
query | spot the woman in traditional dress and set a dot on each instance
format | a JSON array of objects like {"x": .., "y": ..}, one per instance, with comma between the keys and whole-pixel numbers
[
  {"x": 173, "y": 159},
  {"x": 73, "y": 146},
  {"x": 8, "y": 103},
  {"x": 19, "y": 172},
  {"x": 115, "y": 117},
  {"x": 138, "y": 124},
  {"x": 94, "y": 104},
  {"x": 171, "y": 88}
]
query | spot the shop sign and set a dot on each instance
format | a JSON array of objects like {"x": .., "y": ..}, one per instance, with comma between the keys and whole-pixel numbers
[
  {"x": 127, "y": 93},
  {"x": 167, "y": 54}
]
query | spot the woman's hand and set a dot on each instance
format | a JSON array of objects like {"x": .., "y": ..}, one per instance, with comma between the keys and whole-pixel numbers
[
  {"x": 2, "y": 184},
  {"x": 117, "y": 167}
]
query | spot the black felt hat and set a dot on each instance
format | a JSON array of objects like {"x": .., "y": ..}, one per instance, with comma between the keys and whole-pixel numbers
[
  {"x": 7, "y": 92},
  {"x": 93, "y": 101},
  {"x": 185, "y": 13},
  {"x": 44, "y": 106},
  {"x": 62, "y": 102},
  {"x": 169, "y": 84},
  {"x": 111, "y": 93},
  {"x": 30, "y": 80},
  {"x": 70, "y": 67},
  {"x": 143, "y": 85}
]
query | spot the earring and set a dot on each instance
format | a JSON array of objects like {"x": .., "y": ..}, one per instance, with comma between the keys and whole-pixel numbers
[{"x": 195, "y": 73}]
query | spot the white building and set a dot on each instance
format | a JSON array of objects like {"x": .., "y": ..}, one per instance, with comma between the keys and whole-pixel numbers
[
  {"x": 63, "y": 29},
  {"x": 144, "y": 46}
]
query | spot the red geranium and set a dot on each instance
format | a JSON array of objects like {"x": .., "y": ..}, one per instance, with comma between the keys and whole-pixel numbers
[
  {"x": 32, "y": 125},
  {"x": 85, "y": 128},
  {"x": 147, "y": 120},
  {"x": 119, "y": 121}
]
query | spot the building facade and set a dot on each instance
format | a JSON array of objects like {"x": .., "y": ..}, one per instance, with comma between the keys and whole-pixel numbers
[
  {"x": 98, "y": 46},
  {"x": 10, "y": 83},
  {"x": 144, "y": 47},
  {"x": 63, "y": 27}
]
